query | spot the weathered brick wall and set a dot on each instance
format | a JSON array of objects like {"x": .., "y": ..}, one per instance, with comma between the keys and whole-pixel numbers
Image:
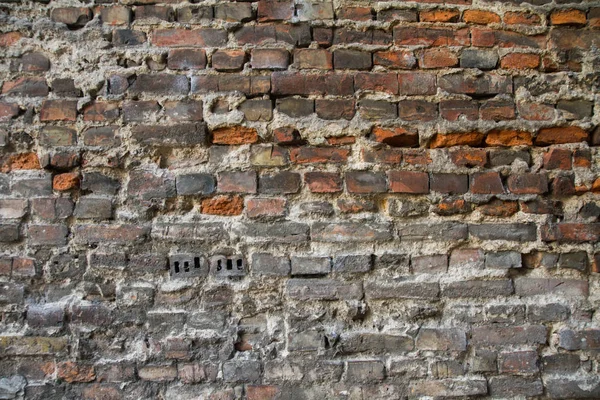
[{"x": 295, "y": 200}]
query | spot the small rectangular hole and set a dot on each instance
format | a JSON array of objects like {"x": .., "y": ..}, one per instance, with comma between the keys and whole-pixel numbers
[
  {"x": 186, "y": 266},
  {"x": 176, "y": 265},
  {"x": 229, "y": 264},
  {"x": 196, "y": 262}
]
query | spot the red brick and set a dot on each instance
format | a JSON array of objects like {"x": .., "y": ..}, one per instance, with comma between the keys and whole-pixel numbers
[
  {"x": 483, "y": 37},
  {"x": 457, "y": 139},
  {"x": 377, "y": 82},
  {"x": 449, "y": 206},
  {"x": 101, "y": 111},
  {"x": 228, "y": 60},
  {"x": 454, "y": 110},
  {"x": 269, "y": 58},
  {"x": 365, "y": 182},
  {"x": 26, "y": 86},
  {"x": 439, "y": 15},
  {"x": 234, "y": 135},
  {"x": 204, "y": 37},
  {"x": 70, "y": 372},
  {"x": 316, "y": 155},
  {"x": 469, "y": 157},
  {"x": 355, "y": 13},
  {"x": 536, "y": 112},
  {"x": 237, "y": 181},
  {"x": 313, "y": 59},
  {"x": 223, "y": 205},
  {"x": 186, "y": 59},
  {"x": 582, "y": 158},
  {"x": 571, "y": 232},
  {"x": 558, "y": 159},
  {"x": 341, "y": 140},
  {"x": 395, "y": 136},
  {"x": 480, "y": 17},
  {"x": 408, "y": 182},
  {"x": 568, "y": 17},
  {"x": 417, "y": 157},
  {"x": 414, "y": 36},
  {"x": 521, "y": 18},
  {"x": 285, "y": 83},
  {"x": 527, "y": 184},
  {"x": 497, "y": 110},
  {"x": 400, "y": 59},
  {"x": 486, "y": 183},
  {"x": 563, "y": 186},
  {"x": 287, "y": 135},
  {"x": 58, "y": 110},
  {"x": 508, "y": 138},
  {"x": 518, "y": 362},
  {"x": 265, "y": 207},
  {"x": 382, "y": 156},
  {"x": 437, "y": 58},
  {"x": 275, "y": 10},
  {"x": 323, "y": 182},
  {"x": 560, "y": 135},
  {"x": 9, "y": 38},
  {"x": 8, "y": 111},
  {"x": 263, "y": 392},
  {"x": 520, "y": 61}
]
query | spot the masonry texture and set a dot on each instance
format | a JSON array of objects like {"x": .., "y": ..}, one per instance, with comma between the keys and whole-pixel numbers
[{"x": 299, "y": 200}]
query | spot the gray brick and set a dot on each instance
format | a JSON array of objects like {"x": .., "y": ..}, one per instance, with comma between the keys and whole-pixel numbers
[
  {"x": 503, "y": 260},
  {"x": 270, "y": 265},
  {"x": 310, "y": 265},
  {"x": 352, "y": 263}
]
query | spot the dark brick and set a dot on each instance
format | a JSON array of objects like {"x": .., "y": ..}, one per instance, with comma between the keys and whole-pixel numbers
[
  {"x": 449, "y": 183},
  {"x": 377, "y": 109},
  {"x": 295, "y": 107},
  {"x": 191, "y": 184},
  {"x": 186, "y": 59},
  {"x": 128, "y": 37},
  {"x": 172, "y": 135},
  {"x": 160, "y": 84},
  {"x": 280, "y": 183},
  {"x": 365, "y": 182},
  {"x": 445, "y": 230},
  {"x": 335, "y": 109}
]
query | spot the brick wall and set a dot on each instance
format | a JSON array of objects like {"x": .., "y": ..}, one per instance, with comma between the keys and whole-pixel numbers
[{"x": 295, "y": 200}]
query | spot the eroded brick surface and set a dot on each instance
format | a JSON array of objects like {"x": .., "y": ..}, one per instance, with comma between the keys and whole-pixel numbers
[{"x": 294, "y": 199}]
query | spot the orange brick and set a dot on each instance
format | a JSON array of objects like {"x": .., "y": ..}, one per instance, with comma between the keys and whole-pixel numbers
[
  {"x": 457, "y": 139},
  {"x": 65, "y": 182},
  {"x": 439, "y": 15},
  {"x": 480, "y": 17},
  {"x": 507, "y": 137},
  {"x": 223, "y": 205},
  {"x": 568, "y": 17},
  {"x": 521, "y": 18},
  {"x": 234, "y": 135}
]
